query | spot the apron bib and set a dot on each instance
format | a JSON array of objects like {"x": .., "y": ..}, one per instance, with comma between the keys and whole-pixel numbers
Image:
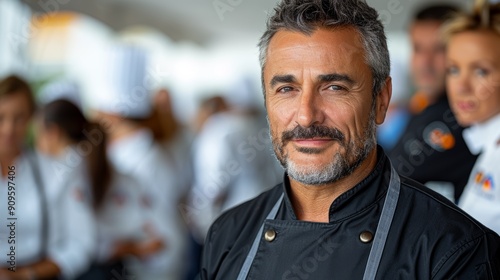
[{"x": 305, "y": 260}]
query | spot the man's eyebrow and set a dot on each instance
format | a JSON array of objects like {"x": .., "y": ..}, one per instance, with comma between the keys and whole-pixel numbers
[
  {"x": 282, "y": 79},
  {"x": 335, "y": 78}
]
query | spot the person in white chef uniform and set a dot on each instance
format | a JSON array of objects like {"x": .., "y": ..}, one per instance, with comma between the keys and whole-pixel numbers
[
  {"x": 121, "y": 105},
  {"x": 79, "y": 147},
  {"x": 474, "y": 91},
  {"x": 39, "y": 238}
]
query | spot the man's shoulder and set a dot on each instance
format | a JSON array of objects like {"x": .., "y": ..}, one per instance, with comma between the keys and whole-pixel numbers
[
  {"x": 437, "y": 110},
  {"x": 437, "y": 213},
  {"x": 459, "y": 245}
]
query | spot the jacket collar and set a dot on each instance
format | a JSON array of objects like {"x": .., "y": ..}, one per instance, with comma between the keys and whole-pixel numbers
[
  {"x": 357, "y": 199},
  {"x": 481, "y": 135}
]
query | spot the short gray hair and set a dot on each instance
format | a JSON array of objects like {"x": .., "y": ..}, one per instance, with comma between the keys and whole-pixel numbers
[{"x": 307, "y": 15}]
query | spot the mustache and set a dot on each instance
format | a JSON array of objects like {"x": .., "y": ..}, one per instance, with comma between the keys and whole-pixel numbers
[{"x": 312, "y": 132}]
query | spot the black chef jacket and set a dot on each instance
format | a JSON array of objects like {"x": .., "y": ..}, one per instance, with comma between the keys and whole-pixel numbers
[
  {"x": 419, "y": 157},
  {"x": 430, "y": 238}
]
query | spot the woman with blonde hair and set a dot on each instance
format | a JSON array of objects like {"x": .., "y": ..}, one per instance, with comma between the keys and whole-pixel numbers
[{"x": 473, "y": 83}]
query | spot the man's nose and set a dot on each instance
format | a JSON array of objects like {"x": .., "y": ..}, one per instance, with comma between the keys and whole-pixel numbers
[
  {"x": 426, "y": 61},
  {"x": 310, "y": 110}
]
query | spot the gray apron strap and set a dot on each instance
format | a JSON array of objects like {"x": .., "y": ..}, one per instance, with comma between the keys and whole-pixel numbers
[
  {"x": 255, "y": 246},
  {"x": 391, "y": 201},
  {"x": 35, "y": 167}
]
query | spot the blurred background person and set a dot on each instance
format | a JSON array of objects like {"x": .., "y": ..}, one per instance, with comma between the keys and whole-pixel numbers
[
  {"x": 54, "y": 229},
  {"x": 232, "y": 157},
  {"x": 474, "y": 91},
  {"x": 174, "y": 138},
  {"x": 63, "y": 132},
  {"x": 121, "y": 106},
  {"x": 176, "y": 142},
  {"x": 207, "y": 108},
  {"x": 431, "y": 150}
]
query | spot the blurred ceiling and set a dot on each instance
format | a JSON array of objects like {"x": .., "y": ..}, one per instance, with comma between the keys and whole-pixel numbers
[{"x": 205, "y": 21}]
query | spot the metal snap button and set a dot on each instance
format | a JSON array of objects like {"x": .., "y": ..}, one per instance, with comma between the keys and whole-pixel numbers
[
  {"x": 270, "y": 235},
  {"x": 366, "y": 236}
]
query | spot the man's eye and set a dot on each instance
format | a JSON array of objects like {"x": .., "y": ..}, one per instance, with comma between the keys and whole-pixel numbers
[
  {"x": 335, "y": 88},
  {"x": 285, "y": 89}
]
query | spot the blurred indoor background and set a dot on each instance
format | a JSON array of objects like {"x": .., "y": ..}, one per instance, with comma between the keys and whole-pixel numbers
[
  {"x": 202, "y": 60},
  {"x": 199, "y": 46}
]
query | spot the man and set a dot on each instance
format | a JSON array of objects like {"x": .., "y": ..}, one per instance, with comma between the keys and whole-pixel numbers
[
  {"x": 431, "y": 150},
  {"x": 341, "y": 212}
]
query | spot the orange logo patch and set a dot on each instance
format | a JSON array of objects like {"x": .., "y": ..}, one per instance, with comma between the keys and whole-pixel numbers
[
  {"x": 439, "y": 137},
  {"x": 485, "y": 182}
]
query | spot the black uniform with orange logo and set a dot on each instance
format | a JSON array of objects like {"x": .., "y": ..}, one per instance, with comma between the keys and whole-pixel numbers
[{"x": 432, "y": 148}]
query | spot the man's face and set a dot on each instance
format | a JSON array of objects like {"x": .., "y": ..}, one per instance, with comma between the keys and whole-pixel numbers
[
  {"x": 319, "y": 102},
  {"x": 428, "y": 64}
]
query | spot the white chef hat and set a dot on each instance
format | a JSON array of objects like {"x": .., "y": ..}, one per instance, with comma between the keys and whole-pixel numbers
[
  {"x": 242, "y": 94},
  {"x": 123, "y": 87},
  {"x": 60, "y": 89}
]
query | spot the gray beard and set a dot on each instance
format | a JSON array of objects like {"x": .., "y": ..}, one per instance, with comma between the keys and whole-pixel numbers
[
  {"x": 341, "y": 166},
  {"x": 337, "y": 169}
]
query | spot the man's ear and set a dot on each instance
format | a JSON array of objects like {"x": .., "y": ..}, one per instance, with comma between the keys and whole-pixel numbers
[{"x": 383, "y": 99}]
